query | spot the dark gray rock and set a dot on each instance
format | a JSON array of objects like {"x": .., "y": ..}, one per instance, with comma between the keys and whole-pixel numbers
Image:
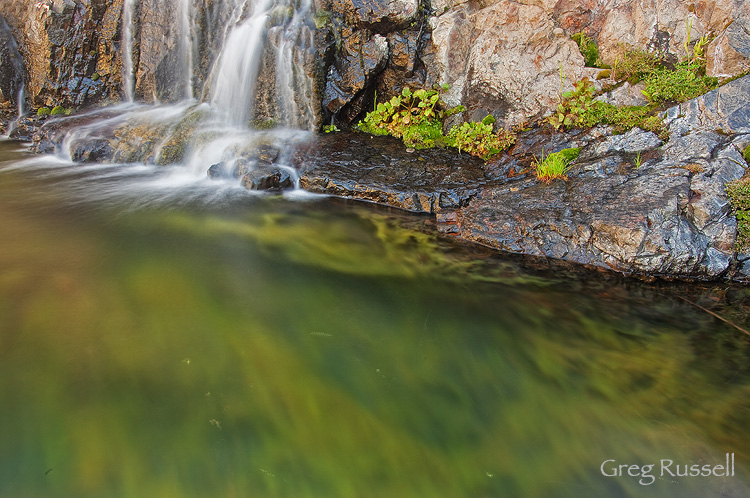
[
  {"x": 380, "y": 15},
  {"x": 11, "y": 66},
  {"x": 380, "y": 169},
  {"x": 360, "y": 59},
  {"x": 726, "y": 109},
  {"x": 265, "y": 177}
]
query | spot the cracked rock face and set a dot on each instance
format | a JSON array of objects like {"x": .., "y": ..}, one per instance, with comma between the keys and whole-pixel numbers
[{"x": 668, "y": 217}]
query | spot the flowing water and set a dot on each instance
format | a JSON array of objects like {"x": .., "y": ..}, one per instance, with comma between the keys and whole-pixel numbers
[{"x": 168, "y": 339}]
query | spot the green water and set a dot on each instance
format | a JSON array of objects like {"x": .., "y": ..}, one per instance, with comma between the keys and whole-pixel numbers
[{"x": 162, "y": 339}]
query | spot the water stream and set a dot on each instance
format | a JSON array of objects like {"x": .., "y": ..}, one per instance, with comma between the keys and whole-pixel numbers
[{"x": 128, "y": 71}]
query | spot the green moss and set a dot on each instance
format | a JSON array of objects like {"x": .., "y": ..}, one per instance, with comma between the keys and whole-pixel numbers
[
  {"x": 746, "y": 154},
  {"x": 738, "y": 192},
  {"x": 588, "y": 49},
  {"x": 686, "y": 81},
  {"x": 43, "y": 111},
  {"x": 321, "y": 18},
  {"x": 58, "y": 110},
  {"x": 579, "y": 109},
  {"x": 95, "y": 77}
]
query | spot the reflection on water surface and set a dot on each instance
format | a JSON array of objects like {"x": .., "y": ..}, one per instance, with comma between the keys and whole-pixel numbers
[{"x": 164, "y": 340}]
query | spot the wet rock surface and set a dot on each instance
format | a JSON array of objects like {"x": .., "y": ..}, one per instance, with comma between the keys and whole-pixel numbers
[
  {"x": 11, "y": 66},
  {"x": 631, "y": 203},
  {"x": 70, "y": 49},
  {"x": 380, "y": 169}
]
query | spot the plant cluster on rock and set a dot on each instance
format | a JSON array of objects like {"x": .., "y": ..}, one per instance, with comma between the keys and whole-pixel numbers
[
  {"x": 663, "y": 84},
  {"x": 417, "y": 118}
]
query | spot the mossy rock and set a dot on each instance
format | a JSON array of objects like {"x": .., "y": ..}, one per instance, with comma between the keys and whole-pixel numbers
[{"x": 173, "y": 149}]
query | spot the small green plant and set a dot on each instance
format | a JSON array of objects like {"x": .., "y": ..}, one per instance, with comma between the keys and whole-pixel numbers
[
  {"x": 588, "y": 48},
  {"x": 331, "y": 128},
  {"x": 579, "y": 109},
  {"x": 746, "y": 154},
  {"x": 574, "y": 105},
  {"x": 95, "y": 76},
  {"x": 43, "y": 111},
  {"x": 638, "y": 160},
  {"x": 555, "y": 165},
  {"x": 479, "y": 138},
  {"x": 738, "y": 192},
  {"x": 415, "y": 117}
]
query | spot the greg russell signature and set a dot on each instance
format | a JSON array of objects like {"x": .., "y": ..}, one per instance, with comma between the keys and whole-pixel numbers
[{"x": 647, "y": 473}]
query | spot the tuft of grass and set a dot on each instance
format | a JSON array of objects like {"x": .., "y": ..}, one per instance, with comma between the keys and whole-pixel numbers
[
  {"x": 555, "y": 165},
  {"x": 634, "y": 65},
  {"x": 738, "y": 192},
  {"x": 746, "y": 154}
]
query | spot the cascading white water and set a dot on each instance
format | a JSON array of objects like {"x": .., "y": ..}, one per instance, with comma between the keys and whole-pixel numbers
[
  {"x": 186, "y": 46},
  {"x": 246, "y": 36},
  {"x": 293, "y": 88},
  {"x": 128, "y": 74},
  {"x": 236, "y": 70}
]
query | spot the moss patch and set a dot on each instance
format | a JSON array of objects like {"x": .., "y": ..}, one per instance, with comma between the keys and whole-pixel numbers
[
  {"x": 738, "y": 192},
  {"x": 588, "y": 48}
]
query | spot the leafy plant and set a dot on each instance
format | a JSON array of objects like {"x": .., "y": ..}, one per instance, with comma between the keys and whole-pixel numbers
[
  {"x": 574, "y": 106},
  {"x": 555, "y": 165},
  {"x": 332, "y": 128},
  {"x": 738, "y": 192},
  {"x": 415, "y": 117},
  {"x": 479, "y": 138}
]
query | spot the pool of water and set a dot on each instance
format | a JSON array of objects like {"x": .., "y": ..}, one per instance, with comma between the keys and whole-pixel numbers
[{"x": 162, "y": 336}]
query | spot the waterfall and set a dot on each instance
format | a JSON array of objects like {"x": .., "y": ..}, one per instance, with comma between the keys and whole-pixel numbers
[
  {"x": 227, "y": 64},
  {"x": 293, "y": 89},
  {"x": 128, "y": 76},
  {"x": 233, "y": 88},
  {"x": 186, "y": 46}
]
